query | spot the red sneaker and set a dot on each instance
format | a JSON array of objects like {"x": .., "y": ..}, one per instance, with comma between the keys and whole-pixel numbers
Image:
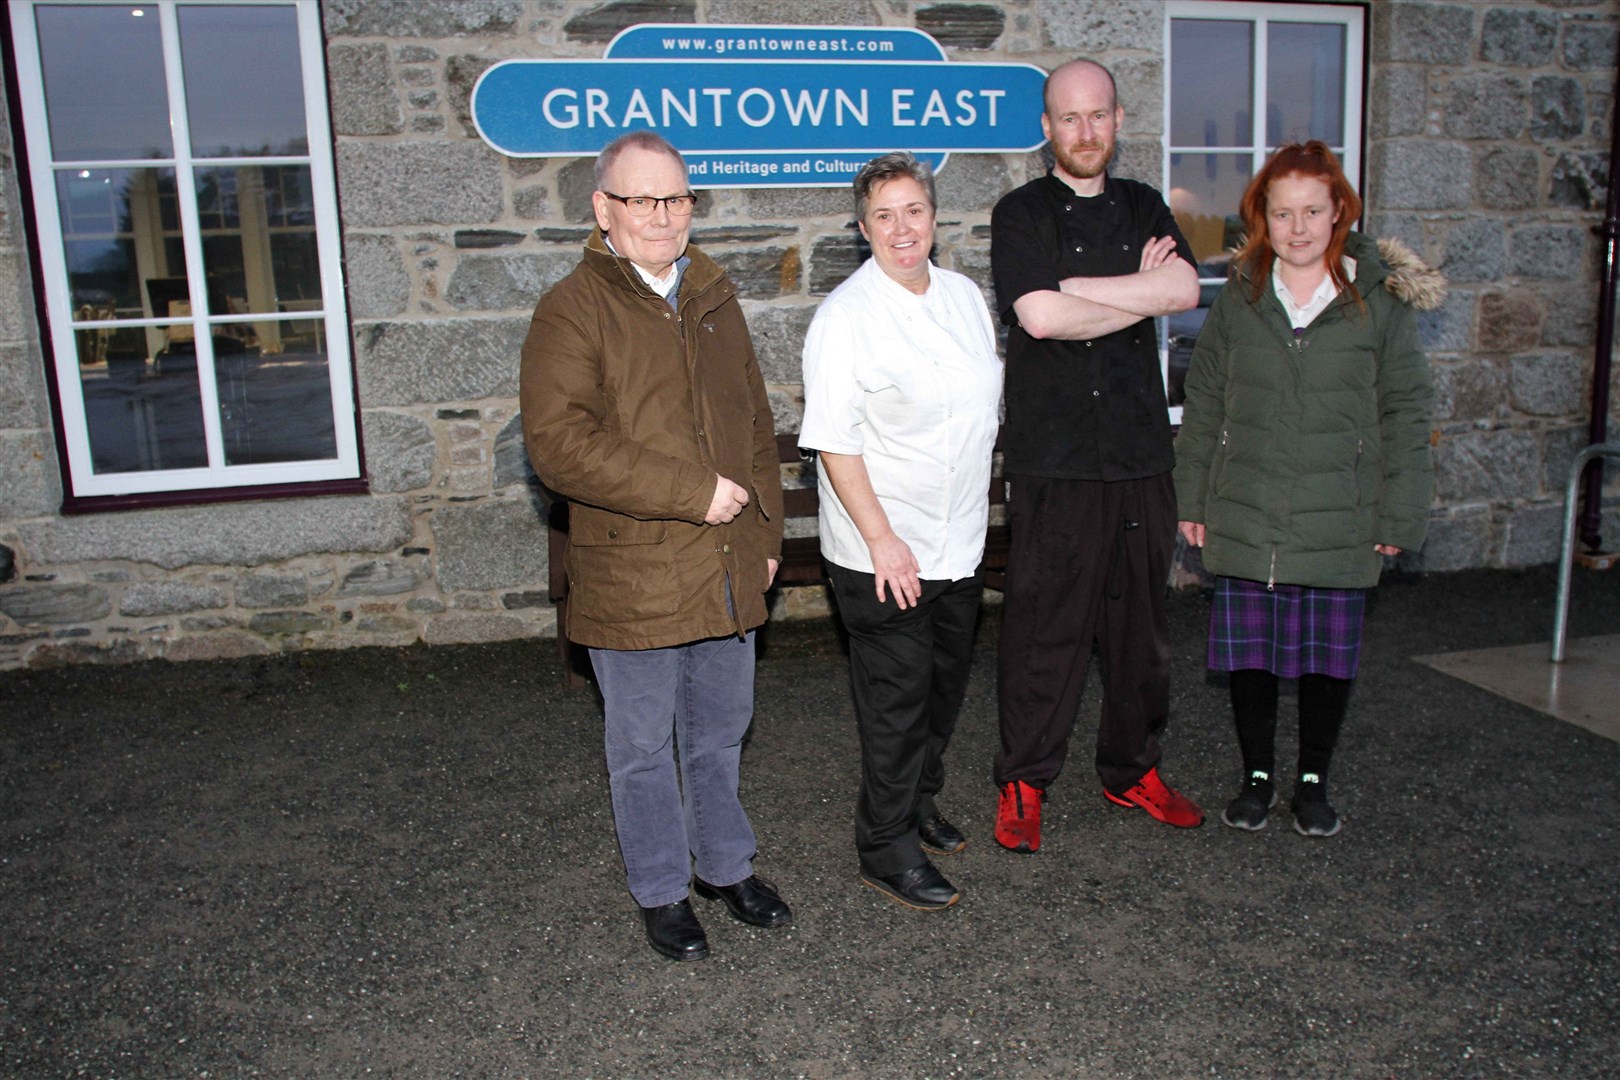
[
  {"x": 1158, "y": 799},
  {"x": 1018, "y": 817}
]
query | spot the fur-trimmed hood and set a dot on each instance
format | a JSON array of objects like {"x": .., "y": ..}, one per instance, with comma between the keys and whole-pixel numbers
[
  {"x": 1406, "y": 276},
  {"x": 1411, "y": 280}
]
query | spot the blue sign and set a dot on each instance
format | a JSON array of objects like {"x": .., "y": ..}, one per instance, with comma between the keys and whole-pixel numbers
[{"x": 752, "y": 106}]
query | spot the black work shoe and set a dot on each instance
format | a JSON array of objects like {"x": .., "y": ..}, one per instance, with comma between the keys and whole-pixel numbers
[
  {"x": 1248, "y": 810},
  {"x": 922, "y": 887},
  {"x": 1313, "y": 814},
  {"x": 940, "y": 837},
  {"x": 752, "y": 900},
  {"x": 673, "y": 930}
]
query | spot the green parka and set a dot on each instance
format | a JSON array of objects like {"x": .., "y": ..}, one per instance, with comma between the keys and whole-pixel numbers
[{"x": 1299, "y": 454}]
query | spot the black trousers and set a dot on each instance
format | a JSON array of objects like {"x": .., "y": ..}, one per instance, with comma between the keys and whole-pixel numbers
[
  {"x": 908, "y": 672},
  {"x": 1089, "y": 565}
]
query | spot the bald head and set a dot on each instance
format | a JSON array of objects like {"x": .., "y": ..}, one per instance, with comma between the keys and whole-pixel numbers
[{"x": 1065, "y": 77}]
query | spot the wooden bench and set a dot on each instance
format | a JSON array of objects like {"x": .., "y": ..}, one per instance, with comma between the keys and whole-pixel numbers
[{"x": 801, "y": 555}]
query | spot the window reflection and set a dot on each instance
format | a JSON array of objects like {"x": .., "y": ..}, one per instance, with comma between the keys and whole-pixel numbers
[
  {"x": 142, "y": 415},
  {"x": 277, "y": 408},
  {"x": 243, "y": 102},
  {"x": 1211, "y": 82},
  {"x": 1204, "y": 194},
  {"x": 105, "y": 95},
  {"x": 126, "y": 260},
  {"x": 1305, "y": 83},
  {"x": 115, "y": 237}
]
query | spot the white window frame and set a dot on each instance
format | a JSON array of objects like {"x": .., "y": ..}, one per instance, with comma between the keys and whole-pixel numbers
[
  {"x": 82, "y": 480},
  {"x": 1351, "y": 16}
]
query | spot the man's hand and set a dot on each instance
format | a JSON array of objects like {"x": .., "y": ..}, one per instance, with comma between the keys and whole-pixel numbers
[
  {"x": 1159, "y": 251},
  {"x": 1192, "y": 532},
  {"x": 770, "y": 570},
  {"x": 896, "y": 567},
  {"x": 728, "y": 502},
  {"x": 1386, "y": 549}
]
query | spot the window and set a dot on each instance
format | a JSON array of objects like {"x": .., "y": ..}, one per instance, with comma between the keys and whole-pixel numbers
[
  {"x": 1242, "y": 80},
  {"x": 185, "y": 220}
]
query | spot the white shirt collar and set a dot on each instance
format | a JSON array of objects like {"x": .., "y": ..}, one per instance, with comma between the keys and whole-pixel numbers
[
  {"x": 662, "y": 286},
  {"x": 1301, "y": 315}
]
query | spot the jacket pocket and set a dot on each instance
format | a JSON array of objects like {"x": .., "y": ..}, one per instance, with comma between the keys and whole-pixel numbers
[{"x": 620, "y": 569}]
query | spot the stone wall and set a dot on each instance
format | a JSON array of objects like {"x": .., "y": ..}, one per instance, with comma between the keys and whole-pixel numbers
[{"x": 1487, "y": 151}]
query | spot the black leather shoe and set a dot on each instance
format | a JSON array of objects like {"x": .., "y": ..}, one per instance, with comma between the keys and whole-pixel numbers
[
  {"x": 752, "y": 900},
  {"x": 940, "y": 837},
  {"x": 922, "y": 887},
  {"x": 673, "y": 930}
]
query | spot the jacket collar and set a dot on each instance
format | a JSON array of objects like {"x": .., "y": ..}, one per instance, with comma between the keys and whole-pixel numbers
[
  {"x": 1057, "y": 189},
  {"x": 702, "y": 273}
]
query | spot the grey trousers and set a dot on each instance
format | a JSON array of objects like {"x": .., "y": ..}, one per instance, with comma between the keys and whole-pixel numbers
[{"x": 675, "y": 721}]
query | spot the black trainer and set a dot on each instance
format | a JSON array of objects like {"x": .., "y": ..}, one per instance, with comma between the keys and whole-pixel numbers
[
  {"x": 1313, "y": 814},
  {"x": 1249, "y": 809}
]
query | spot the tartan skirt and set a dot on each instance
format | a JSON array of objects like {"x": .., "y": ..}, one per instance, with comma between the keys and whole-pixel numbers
[{"x": 1290, "y": 630}]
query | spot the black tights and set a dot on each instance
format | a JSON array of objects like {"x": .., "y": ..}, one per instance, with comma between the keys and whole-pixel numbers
[{"x": 1322, "y": 703}]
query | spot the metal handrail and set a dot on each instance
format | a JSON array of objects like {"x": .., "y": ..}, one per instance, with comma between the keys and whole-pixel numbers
[{"x": 1566, "y": 557}]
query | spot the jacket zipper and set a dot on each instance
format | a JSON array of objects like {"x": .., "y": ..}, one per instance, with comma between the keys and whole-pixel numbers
[{"x": 1271, "y": 577}]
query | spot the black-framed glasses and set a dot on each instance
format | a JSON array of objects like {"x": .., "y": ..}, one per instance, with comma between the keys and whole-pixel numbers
[{"x": 646, "y": 205}]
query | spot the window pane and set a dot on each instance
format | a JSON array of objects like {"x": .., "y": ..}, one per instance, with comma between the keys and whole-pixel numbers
[
  {"x": 1305, "y": 83},
  {"x": 1211, "y": 61},
  {"x": 1204, "y": 193},
  {"x": 278, "y": 408},
  {"x": 115, "y": 240},
  {"x": 259, "y": 240},
  {"x": 243, "y": 101},
  {"x": 141, "y": 400},
  {"x": 104, "y": 90}
]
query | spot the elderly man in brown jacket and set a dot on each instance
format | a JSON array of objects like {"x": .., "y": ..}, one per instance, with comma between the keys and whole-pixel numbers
[{"x": 644, "y": 406}]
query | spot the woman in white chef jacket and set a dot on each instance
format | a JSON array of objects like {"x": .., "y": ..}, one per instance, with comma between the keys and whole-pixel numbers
[{"x": 902, "y": 385}]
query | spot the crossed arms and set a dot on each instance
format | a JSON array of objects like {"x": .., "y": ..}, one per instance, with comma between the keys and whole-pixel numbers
[{"x": 1091, "y": 307}]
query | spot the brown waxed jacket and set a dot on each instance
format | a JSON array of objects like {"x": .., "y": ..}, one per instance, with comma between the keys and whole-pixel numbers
[{"x": 630, "y": 408}]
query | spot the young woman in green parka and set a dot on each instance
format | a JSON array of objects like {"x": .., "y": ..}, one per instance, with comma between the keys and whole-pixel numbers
[{"x": 1303, "y": 460}]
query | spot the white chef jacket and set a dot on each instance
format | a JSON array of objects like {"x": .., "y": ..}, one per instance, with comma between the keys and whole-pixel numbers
[{"x": 913, "y": 385}]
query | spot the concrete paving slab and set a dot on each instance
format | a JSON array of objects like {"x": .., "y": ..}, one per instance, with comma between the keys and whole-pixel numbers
[{"x": 1584, "y": 689}]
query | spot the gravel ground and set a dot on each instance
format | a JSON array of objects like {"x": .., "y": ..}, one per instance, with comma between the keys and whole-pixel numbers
[{"x": 400, "y": 862}]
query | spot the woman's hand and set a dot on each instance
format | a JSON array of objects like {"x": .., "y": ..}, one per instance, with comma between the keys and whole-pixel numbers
[
  {"x": 1386, "y": 549},
  {"x": 1192, "y": 532},
  {"x": 896, "y": 567}
]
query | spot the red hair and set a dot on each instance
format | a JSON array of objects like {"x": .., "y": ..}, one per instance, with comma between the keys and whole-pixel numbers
[{"x": 1312, "y": 159}]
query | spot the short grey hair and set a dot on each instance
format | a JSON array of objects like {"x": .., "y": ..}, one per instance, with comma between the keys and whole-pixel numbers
[
  {"x": 886, "y": 167},
  {"x": 641, "y": 140}
]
